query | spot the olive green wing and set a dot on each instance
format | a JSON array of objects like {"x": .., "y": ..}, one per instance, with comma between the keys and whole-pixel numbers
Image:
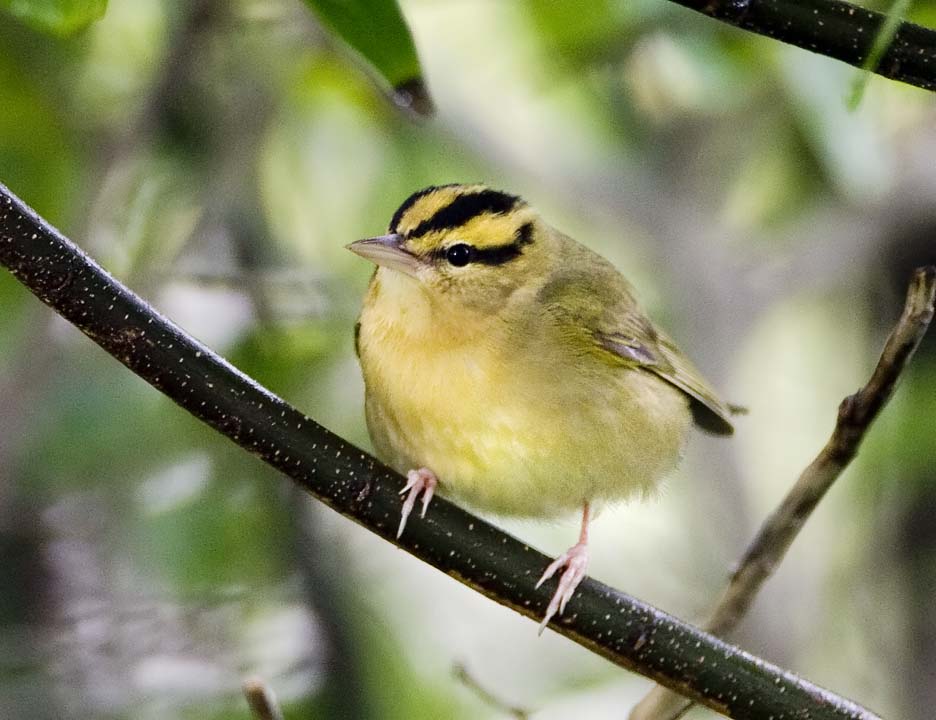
[
  {"x": 593, "y": 302},
  {"x": 639, "y": 341}
]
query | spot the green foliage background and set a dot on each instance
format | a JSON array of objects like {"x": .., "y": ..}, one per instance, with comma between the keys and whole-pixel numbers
[{"x": 218, "y": 156}]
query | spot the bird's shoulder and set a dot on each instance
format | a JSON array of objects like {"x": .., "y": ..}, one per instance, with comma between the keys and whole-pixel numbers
[
  {"x": 596, "y": 312},
  {"x": 584, "y": 294}
]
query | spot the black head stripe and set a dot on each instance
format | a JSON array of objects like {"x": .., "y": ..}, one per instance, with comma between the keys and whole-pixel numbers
[
  {"x": 408, "y": 203},
  {"x": 524, "y": 234},
  {"x": 466, "y": 207}
]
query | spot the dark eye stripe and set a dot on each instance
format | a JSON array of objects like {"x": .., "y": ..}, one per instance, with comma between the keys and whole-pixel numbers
[
  {"x": 464, "y": 208},
  {"x": 499, "y": 254}
]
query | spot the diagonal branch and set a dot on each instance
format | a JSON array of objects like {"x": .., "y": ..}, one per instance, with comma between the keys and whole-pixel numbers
[
  {"x": 622, "y": 629},
  {"x": 833, "y": 28},
  {"x": 855, "y": 415}
]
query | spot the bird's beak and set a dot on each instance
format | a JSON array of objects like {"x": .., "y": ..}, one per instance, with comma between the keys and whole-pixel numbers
[{"x": 386, "y": 251}]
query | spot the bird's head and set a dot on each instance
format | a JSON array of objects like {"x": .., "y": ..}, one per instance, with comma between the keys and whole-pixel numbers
[{"x": 462, "y": 244}]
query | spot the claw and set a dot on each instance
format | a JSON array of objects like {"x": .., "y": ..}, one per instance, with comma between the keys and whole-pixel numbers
[
  {"x": 427, "y": 496},
  {"x": 417, "y": 481},
  {"x": 574, "y": 560}
]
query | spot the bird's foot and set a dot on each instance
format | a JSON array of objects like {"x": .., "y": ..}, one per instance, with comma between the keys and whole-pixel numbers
[
  {"x": 574, "y": 560},
  {"x": 417, "y": 481}
]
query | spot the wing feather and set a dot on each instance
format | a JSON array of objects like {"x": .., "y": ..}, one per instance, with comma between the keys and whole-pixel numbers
[
  {"x": 621, "y": 328},
  {"x": 660, "y": 356}
]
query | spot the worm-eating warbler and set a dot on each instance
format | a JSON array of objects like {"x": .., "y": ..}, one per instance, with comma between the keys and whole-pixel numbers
[{"x": 512, "y": 367}]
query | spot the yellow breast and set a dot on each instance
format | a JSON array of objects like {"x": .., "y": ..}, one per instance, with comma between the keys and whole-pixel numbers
[{"x": 509, "y": 426}]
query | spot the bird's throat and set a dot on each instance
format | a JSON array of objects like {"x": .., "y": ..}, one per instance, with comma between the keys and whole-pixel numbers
[{"x": 406, "y": 305}]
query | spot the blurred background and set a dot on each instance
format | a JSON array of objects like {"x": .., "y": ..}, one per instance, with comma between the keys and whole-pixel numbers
[{"x": 217, "y": 156}]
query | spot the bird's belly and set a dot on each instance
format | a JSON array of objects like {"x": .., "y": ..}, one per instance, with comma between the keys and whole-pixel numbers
[{"x": 519, "y": 442}]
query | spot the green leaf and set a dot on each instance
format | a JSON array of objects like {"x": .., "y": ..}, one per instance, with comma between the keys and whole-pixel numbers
[
  {"x": 57, "y": 17},
  {"x": 882, "y": 42},
  {"x": 377, "y": 31}
]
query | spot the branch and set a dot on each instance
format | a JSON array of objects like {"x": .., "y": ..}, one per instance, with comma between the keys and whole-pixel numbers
[
  {"x": 833, "y": 28},
  {"x": 618, "y": 627},
  {"x": 262, "y": 701},
  {"x": 855, "y": 415}
]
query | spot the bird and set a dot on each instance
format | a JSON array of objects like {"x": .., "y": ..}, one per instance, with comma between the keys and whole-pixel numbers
[{"x": 512, "y": 369}]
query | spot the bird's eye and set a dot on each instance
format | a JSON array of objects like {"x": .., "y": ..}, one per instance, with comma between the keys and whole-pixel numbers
[{"x": 459, "y": 255}]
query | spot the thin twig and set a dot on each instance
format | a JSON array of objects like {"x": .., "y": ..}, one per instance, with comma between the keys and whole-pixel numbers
[
  {"x": 461, "y": 673},
  {"x": 620, "y": 628},
  {"x": 855, "y": 415},
  {"x": 262, "y": 701}
]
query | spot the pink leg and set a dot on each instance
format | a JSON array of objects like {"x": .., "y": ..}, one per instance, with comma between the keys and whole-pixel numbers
[
  {"x": 574, "y": 560},
  {"x": 417, "y": 481}
]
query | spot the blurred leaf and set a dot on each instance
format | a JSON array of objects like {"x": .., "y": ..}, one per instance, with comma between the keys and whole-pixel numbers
[
  {"x": 882, "y": 42},
  {"x": 604, "y": 30},
  {"x": 331, "y": 119},
  {"x": 771, "y": 184},
  {"x": 14, "y": 302},
  {"x": 36, "y": 151},
  {"x": 376, "y": 29},
  {"x": 906, "y": 441},
  {"x": 923, "y": 14},
  {"x": 850, "y": 148},
  {"x": 148, "y": 213},
  {"x": 57, "y": 17},
  {"x": 670, "y": 77},
  {"x": 91, "y": 415},
  {"x": 225, "y": 533},
  {"x": 285, "y": 357}
]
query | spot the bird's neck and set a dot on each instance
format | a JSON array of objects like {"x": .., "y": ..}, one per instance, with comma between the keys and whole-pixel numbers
[{"x": 402, "y": 306}]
